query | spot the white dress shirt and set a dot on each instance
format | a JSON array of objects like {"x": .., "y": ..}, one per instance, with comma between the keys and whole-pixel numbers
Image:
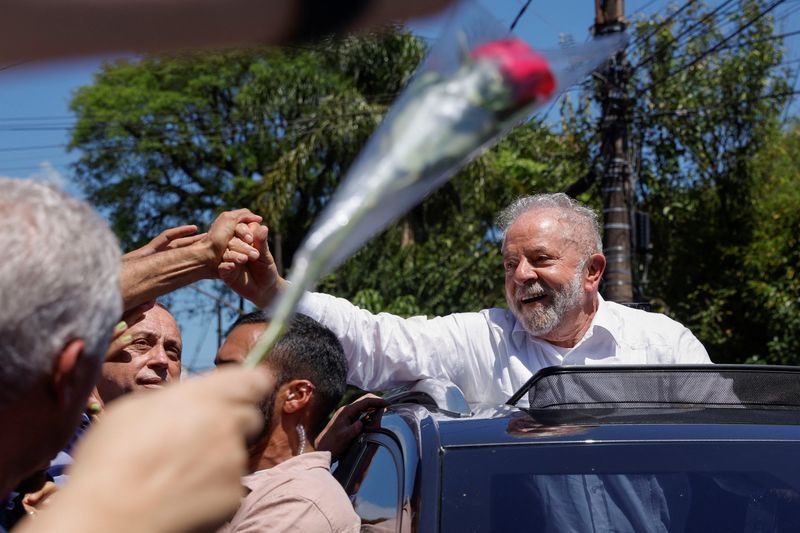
[{"x": 488, "y": 354}]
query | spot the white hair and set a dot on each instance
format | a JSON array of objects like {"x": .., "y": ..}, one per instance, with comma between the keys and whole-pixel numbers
[
  {"x": 582, "y": 220},
  {"x": 59, "y": 280}
]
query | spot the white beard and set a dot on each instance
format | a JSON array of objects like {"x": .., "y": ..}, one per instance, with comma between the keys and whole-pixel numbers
[{"x": 541, "y": 320}]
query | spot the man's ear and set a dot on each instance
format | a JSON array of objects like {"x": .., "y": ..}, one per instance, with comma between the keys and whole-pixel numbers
[
  {"x": 596, "y": 267},
  {"x": 65, "y": 366},
  {"x": 298, "y": 394}
]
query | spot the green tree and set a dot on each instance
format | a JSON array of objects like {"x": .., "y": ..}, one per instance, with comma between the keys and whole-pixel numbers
[
  {"x": 170, "y": 139},
  {"x": 166, "y": 139},
  {"x": 773, "y": 260},
  {"x": 709, "y": 91}
]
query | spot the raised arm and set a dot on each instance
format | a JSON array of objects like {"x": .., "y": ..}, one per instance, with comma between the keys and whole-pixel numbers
[
  {"x": 168, "y": 266},
  {"x": 382, "y": 350}
]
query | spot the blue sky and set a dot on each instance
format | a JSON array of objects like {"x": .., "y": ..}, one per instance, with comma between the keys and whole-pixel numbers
[{"x": 35, "y": 118}]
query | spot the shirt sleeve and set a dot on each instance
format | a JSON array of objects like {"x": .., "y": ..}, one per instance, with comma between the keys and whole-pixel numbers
[
  {"x": 385, "y": 350},
  {"x": 290, "y": 513},
  {"x": 689, "y": 350}
]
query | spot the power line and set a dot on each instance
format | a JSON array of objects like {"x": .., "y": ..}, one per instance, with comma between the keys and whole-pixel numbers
[
  {"x": 519, "y": 15},
  {"x": 711, "y": 50},
  {"x": 729, "y": 37},
  {"x": 748, "y": 43},
  {"x": 703, "y": 110},
  {"x": 754, "y": 41},
  {"x": 672, "y": 15},
  {"x": 25, "y": 148},
  {"x": 12, "y": 65},
  {"x": 644, "y": 61}
]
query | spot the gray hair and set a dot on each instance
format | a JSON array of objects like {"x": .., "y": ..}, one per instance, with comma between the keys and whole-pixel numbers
[
  {"x": 59, "y": 280},
  {"x": 575, "y": 214}
]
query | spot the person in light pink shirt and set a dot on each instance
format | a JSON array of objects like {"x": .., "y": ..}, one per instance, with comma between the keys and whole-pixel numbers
[{"x": 291, "y": 487}]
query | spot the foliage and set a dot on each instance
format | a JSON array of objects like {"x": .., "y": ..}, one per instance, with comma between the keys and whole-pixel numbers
[
  {"x": 703, "y": 122},
  {"x": 172, "y": 138},
  {"x": 169, "y": 139},
  {"x": 773, "y": 260}
]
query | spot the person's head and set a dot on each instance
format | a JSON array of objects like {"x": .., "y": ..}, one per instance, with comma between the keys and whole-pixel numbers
[
  {"x": 241, "y": 336},
  {"x": 553, "y": 261},
  {"x": 145, "y": 356},
  {"x": 310, "y": 372},
  {"x": 61, "y": 298},
  {"x": 309, "y": 367}
]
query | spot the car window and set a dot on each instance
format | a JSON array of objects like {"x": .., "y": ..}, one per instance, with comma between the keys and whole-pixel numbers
[
  {"x": 632, "y": 487},
  {"x": 374, "y": 488}
]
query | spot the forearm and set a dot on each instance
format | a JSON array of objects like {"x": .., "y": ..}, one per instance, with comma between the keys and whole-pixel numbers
[
  {"x": 35, "y": 29},
  {"x": 384, "y": 350},
  {"x": 146, "y": 278},
  {"x": 76, "y": 511}
]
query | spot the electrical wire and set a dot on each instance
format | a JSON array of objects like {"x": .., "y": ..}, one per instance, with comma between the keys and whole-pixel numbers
[
  {"x": 709, "y": 51},
  {"x": 519, "y": 15},
  {"x": 642, "y": 39},
  {"x": 644, "y": 61}
]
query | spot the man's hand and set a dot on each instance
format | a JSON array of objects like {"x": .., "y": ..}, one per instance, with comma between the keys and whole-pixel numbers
[
  {"x": 146, "y": 277},
  {"x": 164, "y": 462},
  {"x": 347, "y": 424},
  {"x": 168, "y": 239},
  {"x": 33, "y": 502},
  {"x": 248, "y": 267},
  {"x": 228, "y": 227}
]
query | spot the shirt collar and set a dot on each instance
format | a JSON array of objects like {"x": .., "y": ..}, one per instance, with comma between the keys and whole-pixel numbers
[
  {"x": 306, "y": 461},
  {"x": 606, "y": 320},
  {"x": 603, "y": 319},
  {"x": 518, "y": 333}
]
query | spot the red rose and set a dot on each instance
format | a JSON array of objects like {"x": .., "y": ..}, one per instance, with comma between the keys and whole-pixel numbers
[{"x": 528, "y": 73}]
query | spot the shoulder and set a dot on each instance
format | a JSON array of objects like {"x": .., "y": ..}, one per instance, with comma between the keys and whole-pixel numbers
[
  {"x": 665, "y": 340},
  {"x": 654, "y": 322},
  {"x": 308, "y": 500}
]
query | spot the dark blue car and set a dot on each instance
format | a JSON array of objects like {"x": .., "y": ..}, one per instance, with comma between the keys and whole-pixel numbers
[{"x": 626, "y": 449}]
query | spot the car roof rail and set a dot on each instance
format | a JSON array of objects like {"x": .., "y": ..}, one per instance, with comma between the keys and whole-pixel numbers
[
  {"x": 442, "y": 395},
  {"x": 663, "y": 386}
]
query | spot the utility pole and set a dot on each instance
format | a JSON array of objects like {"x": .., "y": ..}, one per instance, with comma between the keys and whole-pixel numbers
[{"x": 616, "y": 184}]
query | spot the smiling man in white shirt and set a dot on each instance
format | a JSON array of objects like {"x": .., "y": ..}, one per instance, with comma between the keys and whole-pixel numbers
[{"x": 553, "y": 261}]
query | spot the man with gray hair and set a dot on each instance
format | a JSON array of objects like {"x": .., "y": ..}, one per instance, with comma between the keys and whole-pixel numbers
[
  {"x": 553, "y": 263},
  {"x": 59, "y": 279}
]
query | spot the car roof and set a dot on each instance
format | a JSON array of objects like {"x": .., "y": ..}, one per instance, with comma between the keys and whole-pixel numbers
[
  {"x": 519, "y": 426},
  {"x": 625, "y": 404}
]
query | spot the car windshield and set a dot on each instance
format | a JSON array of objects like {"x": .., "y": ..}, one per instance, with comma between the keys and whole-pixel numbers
[{"x": 664, "y": 487}]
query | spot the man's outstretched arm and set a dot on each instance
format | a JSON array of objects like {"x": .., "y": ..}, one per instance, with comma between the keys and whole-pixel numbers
[{"x": 147, "y": 275}]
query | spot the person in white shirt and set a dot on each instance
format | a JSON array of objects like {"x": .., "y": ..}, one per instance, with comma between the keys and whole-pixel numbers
[{"x": 553, "y": 262}]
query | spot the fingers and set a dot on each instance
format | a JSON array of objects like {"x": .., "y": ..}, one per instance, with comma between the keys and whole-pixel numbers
[
  {"x": 242, "y": 248},
  {"x": 242, "y": 231},
  {"x": 228, "y": 225},
  {"x": 172, "y": 234},
  {"x": 369, "y": 401},
  {"x": 260, "y": 234},
  {"x": 227, "y": 270},
  {"x": 244, "y": 215},
  {"x": 131, "y": 317},
  {"x": 186, "y": 241},
  {"x": 238, "y": 384},
  {"x": 365, "y": 403},
  {"x": 232, "y": 256}
]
